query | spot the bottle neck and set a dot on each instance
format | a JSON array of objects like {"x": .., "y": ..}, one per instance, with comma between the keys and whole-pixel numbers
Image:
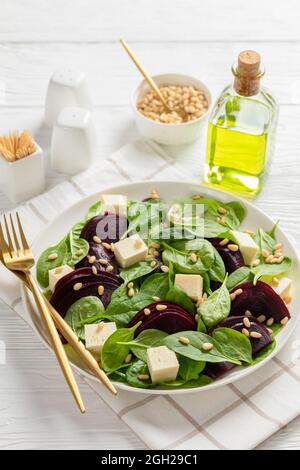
[{"x": 246, "y": 86}]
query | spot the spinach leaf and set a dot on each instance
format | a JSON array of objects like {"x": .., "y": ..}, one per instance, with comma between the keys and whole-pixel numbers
[
  {"x": 241, "y": 274},
  {"x": 76, "y": 243},
  {"x": 264, "y": 242},
  {"x": 94, "y": 210},
  {"x": 80, "y": 310},
  {"x": 44, "y": 265},
  {"x": 276, "y": 328},
  {"x": 271, "y": 269},
  {"x": 201, "y": 381},
  {"x": 122, "y": 309},
  {"x": 200, "y": 324},
  {"x": 194, "y": 350},
  {"x": 273, "y": 230},
  {"x": 238, "y": 208},
  {"x": 217, "y": 271},
  {"x": 146, "y": 339},
  {"x": 181, "y": 261},
  {"x": 136, "y": 271},
  {"x": 113, "y": 354},
  {"x": 156, "y": 285},
  {"x": 217, "y": 306},
  {"x": 189, "y": 369},
  {"x": 263, "y": 353},
  {"x": 178, "y": 296},
  {"x": 234, "y": 344},
  {"x": 138, "y": 368}
]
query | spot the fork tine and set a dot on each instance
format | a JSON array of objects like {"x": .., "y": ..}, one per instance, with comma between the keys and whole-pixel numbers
[
  {"x": 17, "y": 245},
  {"x": 22, "y": 235},
  {"x": 3, "y": 245},
  {"x": 10, "y": 244}
]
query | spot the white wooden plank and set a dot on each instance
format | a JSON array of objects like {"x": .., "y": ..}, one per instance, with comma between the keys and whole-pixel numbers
[
  {"x": 26, "y": 69},
  {"x": 148, "y": 20}
]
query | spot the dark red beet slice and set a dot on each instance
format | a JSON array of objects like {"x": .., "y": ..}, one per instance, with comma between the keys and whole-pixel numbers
[
  {"x": 172, "y": 320},
  {"x": 100, "y": 252},
  {"x": 64, "y": 295},
  {"x": 232, "y": 259},
  {"x": 108, "y": 227},
  {"x": 260, "y": 300},
  {"x": 216, "y": 371}
]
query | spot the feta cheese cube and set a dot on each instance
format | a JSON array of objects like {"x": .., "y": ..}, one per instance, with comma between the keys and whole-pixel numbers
[
  {"x": 130, "y": 250},
  {"x": 57, "y": 273},
  {"x": 191, "y": 284},
  {"x": 284, "y": 287},
  {"x": 115, "y": 203},
  {"x": 96, "y": 334},
  {"x": 247, "y": 246},
  {"x": 162, "y": 363}
]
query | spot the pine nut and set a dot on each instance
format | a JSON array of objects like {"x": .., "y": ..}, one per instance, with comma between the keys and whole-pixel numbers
[
  {"x": 147, "y": 311},
  {"x": 284, "y": 320},
  {"x": 204, "y": 296},
  {"x": 274, "y": 260},
  {"x": 224, "y": 242},
  {"x": 207, "y": 346},
  {"x": 248, "y": 313},
  {"x": 112, "y": 247},
  {"x": 106, "y": 245},
  {"x": 164, "y": 269},
  {"x": 256, "y": 262},
  {"x": 161, "y": 307},
  {"x": 238, "y": 292},
  {"x": 130, "y": 285},
  {"x": 246, "y": 322},
  {"x": 155, "y": 245},
  {"x": 222, "y": 210},
  {"x": 52, "y": 256},
  {"x": 138, "y": 243},
  {"x": 130, "y": 292},
  {"x": 270, "y": 331},
  {"x": 233, "y": 247},
  {"x": 277, "y": 254},
  {"x": 278, "y": 246},
  {"x": 77, "y": 286},
  {"x": 153, "y": 264},
  {"x": 155, "y": 298},
  {"x": 245, "y": 332},
  {"x": 100, "y": 290},
  {"x": 128, "y": 358},
  {"x": 194, "y": 258},
  {"x": 79, "y": 252},
  {"x": 279, "y": 260},
  {"x": 232, "y": 296},
  {"x": 143, "y": 377},
  {"x": 197, "y": 316},
  {"x": 97, "y": 239},
  {"x": 264, "y": 253},
  {"x": 270, "y": 321},
  {"x": 103, "y": 261},
  {"x": 250, "y": 232},
  {"x": 184, "y": 340},
  {"x": 92, "y": 259},
  {"x": 58, "y": 270},
  {"x": 275, "y": 281},
  {"x": 287, "y": 298},
  {"x": 94, "y": 270},
  {"x": 269, "y": 259},
  {"x": 154, "y": 194},
  {"x": 261, "y": 318},
  {"x": 255, "y": 334},
  {"x": 109, "y": 269}
]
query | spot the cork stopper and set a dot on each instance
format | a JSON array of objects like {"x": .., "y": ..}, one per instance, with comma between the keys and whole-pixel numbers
[{"x": 247, "y": 74}]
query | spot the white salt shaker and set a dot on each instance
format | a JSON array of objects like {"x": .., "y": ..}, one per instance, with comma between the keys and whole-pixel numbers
[
  {"x": 74, "y": 141},
  {"x": 22, "y": 179},
  {"x": 67, "y": 87}
]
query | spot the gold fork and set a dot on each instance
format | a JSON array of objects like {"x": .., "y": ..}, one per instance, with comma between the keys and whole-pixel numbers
[{"x": 21, "y": 259}]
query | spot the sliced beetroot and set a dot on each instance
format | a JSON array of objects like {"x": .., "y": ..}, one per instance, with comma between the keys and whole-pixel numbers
[
  {"x": 171, "y": 320},
  {"x": 232, "y": 259},
  {"x": 108, "y": 227},
  {"x": 215, "y": 371},
  {"x": 100, "y": 252},
  {"x": 260, "y": 300},
  {"x": 64, "y": 294}
]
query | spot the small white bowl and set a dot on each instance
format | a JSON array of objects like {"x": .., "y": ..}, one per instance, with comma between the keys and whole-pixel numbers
[{"x": 170, "y": 134}]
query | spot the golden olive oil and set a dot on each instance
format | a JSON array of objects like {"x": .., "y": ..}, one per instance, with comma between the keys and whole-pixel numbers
[{"x": 240, "y": 138}]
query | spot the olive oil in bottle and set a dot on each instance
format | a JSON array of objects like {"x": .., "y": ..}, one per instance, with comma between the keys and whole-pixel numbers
[{"x": 241, "y": 131}]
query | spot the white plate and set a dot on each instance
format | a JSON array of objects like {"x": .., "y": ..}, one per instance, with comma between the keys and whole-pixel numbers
[{"x": 168, "y": 191}]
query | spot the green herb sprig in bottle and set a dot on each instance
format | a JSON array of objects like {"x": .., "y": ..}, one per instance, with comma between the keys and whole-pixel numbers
[{"x": 241, "y": 131}]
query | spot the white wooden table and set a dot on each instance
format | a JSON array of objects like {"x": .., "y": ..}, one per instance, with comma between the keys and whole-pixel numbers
[{"x": 190, "y": 36}]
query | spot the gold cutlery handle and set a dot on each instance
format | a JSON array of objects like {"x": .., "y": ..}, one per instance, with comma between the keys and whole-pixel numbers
[{"x": 56, "y": 342}]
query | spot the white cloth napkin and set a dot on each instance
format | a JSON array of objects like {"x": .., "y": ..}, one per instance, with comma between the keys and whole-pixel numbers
[{"x": 237, "y": 416}]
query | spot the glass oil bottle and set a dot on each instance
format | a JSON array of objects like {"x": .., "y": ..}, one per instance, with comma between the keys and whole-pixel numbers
[{"x": 241, "y": 131}]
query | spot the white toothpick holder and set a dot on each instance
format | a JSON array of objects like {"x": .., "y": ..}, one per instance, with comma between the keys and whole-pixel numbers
[
  {"x": 24, "y": 178},
  {"x": 67, "y": 87},
  {"x": 74, "y": 141}
]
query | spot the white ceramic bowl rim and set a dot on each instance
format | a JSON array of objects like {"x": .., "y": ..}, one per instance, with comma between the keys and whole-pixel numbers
[
  {"x": 202, "y": 85},
  {"x": 237, "y": 373}
]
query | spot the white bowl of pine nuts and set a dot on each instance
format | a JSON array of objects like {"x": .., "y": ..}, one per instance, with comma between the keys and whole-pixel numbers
[{"x": 188, "y": 98}]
